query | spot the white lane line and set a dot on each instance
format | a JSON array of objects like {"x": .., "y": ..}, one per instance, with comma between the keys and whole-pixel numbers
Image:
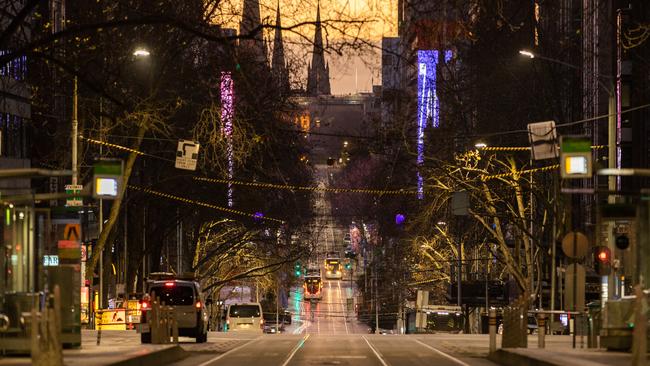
[
  {"x": 341, "y": 357},
  {"x": 441, "y": 353},
  {"x": 329, "y": 307},
  {"x": 343, "y": 309},
  {"x": 208, "y": 362},
  {"x": 375, "y": 351},
  {"x": 295, "y": 349}
]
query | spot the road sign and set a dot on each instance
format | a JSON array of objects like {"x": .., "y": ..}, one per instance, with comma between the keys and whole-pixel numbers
[
  {"x": 575, "y": 157},
  {"x": 187, "y": 154},
  {"x": 74, "y": 189},
  {"x": 543, "y": 140},
  {"x": 575, "y": 244},
  {"x": 72, "y": 232},
  {"x": 107, "y": 179}
]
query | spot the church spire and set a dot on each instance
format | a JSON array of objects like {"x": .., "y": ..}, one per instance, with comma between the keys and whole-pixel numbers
[
  {"x": 250, "y": 28},
  {"x": 278, "y": 64},
  {"x": 318, "y": 78}
]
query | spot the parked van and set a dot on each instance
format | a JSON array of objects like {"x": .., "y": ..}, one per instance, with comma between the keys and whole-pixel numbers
[{"x": 245, "y": 317}]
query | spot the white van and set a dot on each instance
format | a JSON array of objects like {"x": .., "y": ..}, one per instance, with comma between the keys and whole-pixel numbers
[{"x": 245, "y": 317}]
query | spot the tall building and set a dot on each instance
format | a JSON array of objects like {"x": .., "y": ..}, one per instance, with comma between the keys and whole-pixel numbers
[
  {"x": 318, "y": 72},
  {"x": 278, "y": 63},
  {"x": 250, "y": 28}
]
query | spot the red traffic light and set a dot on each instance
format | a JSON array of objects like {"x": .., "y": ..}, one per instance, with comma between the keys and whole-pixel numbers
[
  {"x": 603, "y": 255},
  {"x": 602, "y": 260}
]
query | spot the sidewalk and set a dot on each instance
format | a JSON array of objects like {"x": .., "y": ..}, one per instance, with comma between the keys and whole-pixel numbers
[
  {"x": 558, "y": 351},
  {"x": 117, "y": 348}
]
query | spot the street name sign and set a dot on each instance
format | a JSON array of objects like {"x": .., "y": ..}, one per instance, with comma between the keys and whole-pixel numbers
[{"x": 73, "y": 189}]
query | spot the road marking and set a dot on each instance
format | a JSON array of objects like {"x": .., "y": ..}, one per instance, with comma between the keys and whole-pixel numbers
[
  {"x": 375, "y": 351},
  {"x": 442, "y": 353},
  {"x": 295, "y": 349},
  {"x": 341, "y": 357},
  {"x": 206, "y": 363},
  {"x": 343, "y": 309}
]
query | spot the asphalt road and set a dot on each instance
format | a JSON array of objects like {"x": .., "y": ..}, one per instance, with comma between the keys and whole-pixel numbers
[{"x": 320, "y": 349}]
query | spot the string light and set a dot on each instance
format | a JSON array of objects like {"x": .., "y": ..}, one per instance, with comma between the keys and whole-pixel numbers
[{"x": 203, "y": 204}]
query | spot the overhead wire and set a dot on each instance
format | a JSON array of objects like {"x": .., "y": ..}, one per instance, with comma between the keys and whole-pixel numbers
[
  {"x": 203, "y": 204},
  {"x": 326, "y": 189}
]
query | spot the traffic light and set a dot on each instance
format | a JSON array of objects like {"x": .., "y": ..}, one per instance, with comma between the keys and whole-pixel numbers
[
  {"x": 348, "y": 266},
  {"x": 298, "y": 269},
  {"x": 602, "y": 260}
]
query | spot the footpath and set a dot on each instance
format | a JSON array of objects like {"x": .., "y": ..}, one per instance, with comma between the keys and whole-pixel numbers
[
  {"x": 117, "y": 348},
  {"x": 559, "y": 351}
]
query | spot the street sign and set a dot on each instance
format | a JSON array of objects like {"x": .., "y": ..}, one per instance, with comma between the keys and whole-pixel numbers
[
  {"x": 575, "y": 244},
  {"x": 107, "y": 179},
  {"x": 187, "y": 154},
  {"x": 543, "y": 140},
  {"x": 74, "y": 189},
  {"x": 71, "y": 232},
  {"x": 575, "y": 157}
]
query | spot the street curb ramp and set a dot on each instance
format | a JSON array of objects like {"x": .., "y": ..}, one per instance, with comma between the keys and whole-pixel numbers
[{"x": 160, "y": 357}]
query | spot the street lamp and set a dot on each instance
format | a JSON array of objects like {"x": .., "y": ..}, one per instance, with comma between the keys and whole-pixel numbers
[
  {"x": 141, "y": 52},
  {"x": 527, "y": 53},
  {"x": 480, "y": 145}
]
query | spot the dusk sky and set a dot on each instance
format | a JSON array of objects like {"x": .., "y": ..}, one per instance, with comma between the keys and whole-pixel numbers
[{"x": 354, "y": 72}]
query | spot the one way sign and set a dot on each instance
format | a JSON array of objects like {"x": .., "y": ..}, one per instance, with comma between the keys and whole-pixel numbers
[{"x": 186, "y": 154}]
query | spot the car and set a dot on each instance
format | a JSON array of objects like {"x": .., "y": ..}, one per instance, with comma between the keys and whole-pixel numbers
[
  {"x": 245, "y": 317},
  {"x": 349, "y": 253},
  {"x": 184, "y": 295}
]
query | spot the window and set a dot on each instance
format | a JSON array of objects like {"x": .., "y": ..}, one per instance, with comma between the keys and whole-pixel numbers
[
  {"x": 14, "y": 136},
  {"x": 174, "y": 295},
  {"x": 16, "y": 68},
  {"x": 244, "y": 311}
]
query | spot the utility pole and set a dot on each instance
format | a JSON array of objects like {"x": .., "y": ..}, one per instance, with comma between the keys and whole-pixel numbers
[
  {"x": 75, "y": 124},
  {"x": 376, "y": 298}
]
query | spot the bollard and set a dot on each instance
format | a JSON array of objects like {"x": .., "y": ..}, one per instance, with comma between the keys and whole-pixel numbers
[
  {"x": 492, "y": 322},
  {"x": 174, "y": 327},
  {"x": 541, "y": 331},
  {"x": 98, "y": 313}
]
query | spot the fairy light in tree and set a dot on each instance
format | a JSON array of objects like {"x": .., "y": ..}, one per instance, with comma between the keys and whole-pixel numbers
[{"x": 227, "y": 112}]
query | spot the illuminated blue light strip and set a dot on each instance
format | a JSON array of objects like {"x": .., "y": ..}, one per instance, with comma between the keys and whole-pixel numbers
[{"x": 427, "y": 104}]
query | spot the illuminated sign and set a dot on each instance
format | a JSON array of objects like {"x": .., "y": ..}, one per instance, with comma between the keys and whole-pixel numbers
[
  {"x": 50, "y": 260},
  {"x": 106, "y": 187}
]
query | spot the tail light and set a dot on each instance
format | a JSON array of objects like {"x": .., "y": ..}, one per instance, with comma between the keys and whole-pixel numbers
[
  {"x": 261, "y": 323},
  {"x": 198, "y": 304}
]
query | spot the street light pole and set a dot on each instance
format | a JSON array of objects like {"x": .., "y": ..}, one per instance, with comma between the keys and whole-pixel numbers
[{"x": 611, "y": 157}]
